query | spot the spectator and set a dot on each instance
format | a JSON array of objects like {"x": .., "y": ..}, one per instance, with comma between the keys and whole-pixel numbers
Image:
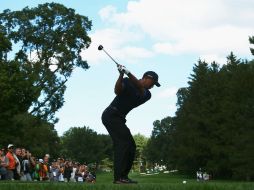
[
  {"x": 74, "y": 169},
  {"x": 67, "y": 171},
  {"x": 61, "y": 174},
  {"x": 18, "y": 158},
  {"x": 4, "y": 162},
  {"x": 206, "y": 176},
  {"x": 36, "y": 175},
  {"x": 47, "y": 155},
  {"x": 46, "y": 164},
  {"x": 55, "y": 171},
  {"x": 60, "y": 162},
  {"x": 199, "y": 175},
  {"x": 91, "y": 177},
  {"x": 23, "y": 152},
  {"x": 43, "y": 171},
  {"x": 80, "y": 173},
  {"x": 26, "y": 168},
  {"x": 12, "y": 162},
  {"x": 32, "y": 162},
  {"x": 91, "y": 174}
]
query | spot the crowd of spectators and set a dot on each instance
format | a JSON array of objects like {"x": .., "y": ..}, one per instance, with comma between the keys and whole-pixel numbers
[
  {"x": 203, "y": 176},
  {"x": 20, "y": 164}
]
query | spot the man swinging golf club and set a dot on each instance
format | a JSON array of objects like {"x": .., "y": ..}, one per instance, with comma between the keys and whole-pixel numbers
[{"x": 130, "y": 93}]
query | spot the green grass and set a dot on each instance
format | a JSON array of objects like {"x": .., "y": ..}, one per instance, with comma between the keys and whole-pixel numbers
[{"x": 146, "y": 182}]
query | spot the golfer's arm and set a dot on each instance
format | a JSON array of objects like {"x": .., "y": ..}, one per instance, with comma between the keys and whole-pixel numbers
[
  {"x": 136, "y": 82},
  {"x": 118, "y": 85}
]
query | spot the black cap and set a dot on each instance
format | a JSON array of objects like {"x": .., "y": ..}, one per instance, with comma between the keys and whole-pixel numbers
[{"x": 153, "y": 75}]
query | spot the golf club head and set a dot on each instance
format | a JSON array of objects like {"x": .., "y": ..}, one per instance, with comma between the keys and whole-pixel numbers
[{"x": 100, "y": 47}]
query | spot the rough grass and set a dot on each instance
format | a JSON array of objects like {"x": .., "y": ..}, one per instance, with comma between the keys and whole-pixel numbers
[{"x": 146, "y": 182}]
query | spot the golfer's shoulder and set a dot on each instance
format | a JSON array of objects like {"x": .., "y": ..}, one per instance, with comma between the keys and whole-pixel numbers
[
  {"x": 126, "y": 80},
  {"x": 127, "y": 83}
]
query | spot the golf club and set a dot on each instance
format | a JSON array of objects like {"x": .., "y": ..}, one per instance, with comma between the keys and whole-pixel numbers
[{"x": 100, "y": 47}]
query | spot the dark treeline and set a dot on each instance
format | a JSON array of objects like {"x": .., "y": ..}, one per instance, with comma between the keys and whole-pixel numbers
[{"x": 214, "y": 125}]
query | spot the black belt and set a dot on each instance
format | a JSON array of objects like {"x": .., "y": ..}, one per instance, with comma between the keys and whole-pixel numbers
[{"x": 116, "y": 110}]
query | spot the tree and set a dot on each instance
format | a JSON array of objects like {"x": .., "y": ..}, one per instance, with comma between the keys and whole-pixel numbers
[
  {"x": 214, "y": 123},
  {"x": 159, "y": 146},
  {"x": 195, "y": 106},
  {"x": 17, "y": 92},
  {"x": 5, "y": 44},
  {"x": 239, "y": 108},
  {"x": 47, "y": 36},
  {"x": 141, "y": 142},
  {"x": 36, "y": 135},
  {"x": 32, "y": 133},
  {"x": 85, "y": 145}
]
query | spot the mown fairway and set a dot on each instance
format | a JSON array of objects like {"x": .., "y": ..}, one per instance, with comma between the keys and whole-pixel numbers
[{"x": 151, "y": 182}]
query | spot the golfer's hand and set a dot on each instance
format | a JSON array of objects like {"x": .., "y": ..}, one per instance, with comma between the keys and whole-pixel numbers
[
  {"x": 122, "y": 69},
  {"x": 119, "y": 68}
]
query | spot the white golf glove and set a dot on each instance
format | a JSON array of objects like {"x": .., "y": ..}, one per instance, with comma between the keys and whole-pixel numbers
[{"x": 123, "y": 69}]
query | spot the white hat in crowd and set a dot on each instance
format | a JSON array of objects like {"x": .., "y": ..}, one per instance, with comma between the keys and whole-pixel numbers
[{"x": 10, "y": 145}]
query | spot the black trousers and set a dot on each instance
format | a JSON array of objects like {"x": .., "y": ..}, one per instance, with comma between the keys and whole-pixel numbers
[{"x": 123, "y": 142}]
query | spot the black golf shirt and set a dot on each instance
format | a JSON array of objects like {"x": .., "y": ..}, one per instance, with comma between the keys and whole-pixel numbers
[{"x": 129, "y": 98}]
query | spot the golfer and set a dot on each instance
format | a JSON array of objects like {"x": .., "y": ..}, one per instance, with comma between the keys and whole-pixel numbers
[{"x": 130, "y": 93}]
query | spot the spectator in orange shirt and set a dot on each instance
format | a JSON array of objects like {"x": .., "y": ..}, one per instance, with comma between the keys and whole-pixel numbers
[{"x": 12, "y": 163}]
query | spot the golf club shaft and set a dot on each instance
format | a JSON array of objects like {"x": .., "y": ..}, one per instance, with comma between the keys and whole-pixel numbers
[{"x": 110, "y": 57}]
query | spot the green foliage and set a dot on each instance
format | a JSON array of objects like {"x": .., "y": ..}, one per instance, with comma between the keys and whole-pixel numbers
[
  {"x": 106, "y": 165},
  {"x": 40, "y": 136},
  {"x": 214, "y": 122},
  {"x": 17, "y": 89},
  {"x": 48, "y": 40},
  {"x": 32, "y": 133},
  {"x": 159, "y": 146},
  {"x": 39, "y": 48},
  {"x": 141, "y": 142},
  {"x": 85, "y": 145},
  {"x": 140, "y": 160},
  {"x": 5, "y": 44}
]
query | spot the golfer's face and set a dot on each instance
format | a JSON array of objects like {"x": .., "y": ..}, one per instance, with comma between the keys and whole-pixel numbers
[{"x": 149, "y": 83}]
